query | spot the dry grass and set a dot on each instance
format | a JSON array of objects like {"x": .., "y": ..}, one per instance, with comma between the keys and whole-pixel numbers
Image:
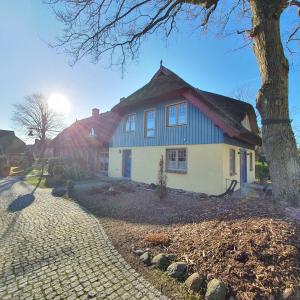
[
  {"x": 157, "y": 238},
  {"x": 250, "y": 244}
]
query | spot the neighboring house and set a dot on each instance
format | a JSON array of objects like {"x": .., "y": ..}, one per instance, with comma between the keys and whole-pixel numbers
[
  {"x": 206, "y": 139},
  {"x": 10, "y": 144},
  {"x": 86, "y": 141},
  {"x": 35, "y": 149}
]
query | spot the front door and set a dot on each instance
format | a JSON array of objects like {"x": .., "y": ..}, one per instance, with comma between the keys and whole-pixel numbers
[
  {"x": 243, "y": 164},
  {"x": 127, "y": 163}
]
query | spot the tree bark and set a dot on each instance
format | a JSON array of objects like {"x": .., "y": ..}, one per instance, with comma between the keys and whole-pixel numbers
[{"x": 279, "y": 142}]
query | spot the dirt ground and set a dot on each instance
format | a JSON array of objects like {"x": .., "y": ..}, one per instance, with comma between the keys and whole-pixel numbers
[{"x": 250, "y": 244}]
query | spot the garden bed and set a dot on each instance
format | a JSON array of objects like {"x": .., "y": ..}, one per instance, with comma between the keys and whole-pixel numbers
[{"x": 250, "y": 244}]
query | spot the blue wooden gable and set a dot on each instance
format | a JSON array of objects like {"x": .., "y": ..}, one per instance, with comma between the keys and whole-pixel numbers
[{"x": 199, "y": 129}]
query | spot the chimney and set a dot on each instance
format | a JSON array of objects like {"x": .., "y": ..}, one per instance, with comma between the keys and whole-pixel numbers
[{"x": 95, "y": 112}]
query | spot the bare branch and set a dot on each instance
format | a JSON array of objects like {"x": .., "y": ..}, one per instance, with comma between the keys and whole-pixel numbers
[{"x": 34, "y": 115}]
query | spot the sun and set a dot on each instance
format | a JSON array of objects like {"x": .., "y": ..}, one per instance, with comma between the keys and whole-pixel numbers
[{"x": 59, "y": 103}]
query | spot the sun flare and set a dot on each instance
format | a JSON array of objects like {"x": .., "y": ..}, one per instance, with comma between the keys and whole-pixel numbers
[{"x": 59, "y": 103}]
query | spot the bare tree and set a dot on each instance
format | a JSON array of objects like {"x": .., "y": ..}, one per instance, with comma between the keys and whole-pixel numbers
[
  {"x": 117, "y": 28},
  {"x": 37, "y": 118}
]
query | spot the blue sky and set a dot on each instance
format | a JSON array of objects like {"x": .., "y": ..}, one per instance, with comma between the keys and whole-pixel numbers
[{"x": 28, "y": 65}]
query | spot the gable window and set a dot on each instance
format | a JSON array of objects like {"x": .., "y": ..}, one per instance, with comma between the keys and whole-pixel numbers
[
  {"x": 251, "y": 161},
  {"x": 130, "y": 123},
  {"x": 232, "y": 167},
  {"x": 92, "y": 132},
  {"x": 176, "y": 160},
  {"x": 149, "y": 123},
  {"x": 177, "y": 114}
]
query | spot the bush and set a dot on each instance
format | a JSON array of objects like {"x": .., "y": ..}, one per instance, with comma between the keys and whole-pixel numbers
[
  {"x": 157, "y": 238},
  {"x": 161, "y": 188},
  {"x": 4, "y": 166},
  {"x": 58, "y": 170},
  {"x": 262, "y": 171},
  {"x": 75, "y": 172},
  {"x": 52, "y": 163},
  {"x": 70, "y": 187}
]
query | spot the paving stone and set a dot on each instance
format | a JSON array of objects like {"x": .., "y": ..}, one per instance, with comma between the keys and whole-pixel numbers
[{"x": 52, "y": 249}]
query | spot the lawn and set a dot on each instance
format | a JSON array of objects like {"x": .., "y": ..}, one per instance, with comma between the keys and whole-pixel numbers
[
  {"x": 250, "y": 244},
  {"x": 33, "y": 180}
]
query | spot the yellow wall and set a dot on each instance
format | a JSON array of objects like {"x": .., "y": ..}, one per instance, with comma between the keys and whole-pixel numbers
[
  {"x": 207, "y": 169},
  {"x": 226, "y": 169}
]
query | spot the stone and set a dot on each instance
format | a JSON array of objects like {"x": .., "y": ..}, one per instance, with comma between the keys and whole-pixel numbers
[
  {"x": 241, "y": 256},
  {"x": 152, "y": 186},
  {"x": 177, "y": 270},
  {"x": 289, "y": 294},
  {"x": 59, "y": 191},
  {"x": 138, "y": 252},
  {"x": 194, "y": 282},
  {"x": 146, "y": 258},
  {"x": 161, "y": 261},
  {"x": 171, "y": 256},
  {"x": 216, "y": 290}
]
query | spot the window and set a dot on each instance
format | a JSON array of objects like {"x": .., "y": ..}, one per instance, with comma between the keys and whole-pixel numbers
[
  {"x": 92, "y": 132},
  {"x": 251, "y": 161},
  {"x": 104, "y": 159},
  {"x": 150, "y": 123},
  {"x": 177, "y": 114},
  {"x": 176, "y": 160},
  {"x": 130, "y": 123},
  {"x": 232, "y": 170}
]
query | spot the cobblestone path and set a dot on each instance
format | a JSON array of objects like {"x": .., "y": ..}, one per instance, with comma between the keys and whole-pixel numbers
[{"x": 51, "y": 249}]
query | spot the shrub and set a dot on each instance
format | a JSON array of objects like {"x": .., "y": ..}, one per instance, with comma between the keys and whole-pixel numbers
[
  {"x": 58, "y": 170},
  {"x": 157, "y": 238},
  {"x": 75, "y": 172},
  {"x": 4, "y": 166},
  {"x": 262, "y": 171},
  {"x": 6, "y": 171},
  {"x": 52, "y": 163},
  {"x": 161, "y": 188},
  {"x": 70, "y": 187}
]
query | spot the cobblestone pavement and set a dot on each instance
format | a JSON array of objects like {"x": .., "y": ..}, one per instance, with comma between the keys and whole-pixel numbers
[{"x": 51, "y": 249}]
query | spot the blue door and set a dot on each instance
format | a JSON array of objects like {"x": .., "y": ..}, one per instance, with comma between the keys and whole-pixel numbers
[
  {"x": 127, "y": 163},
  {"x": 243, "y": 164}
]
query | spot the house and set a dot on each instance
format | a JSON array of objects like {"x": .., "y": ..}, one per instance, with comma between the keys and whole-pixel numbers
[
  {"x": 10, "y": 144},
  {"x": 35, "y": 149},
  {"x": 206, "y": 139},
  {"x": 86, "y": 141}
]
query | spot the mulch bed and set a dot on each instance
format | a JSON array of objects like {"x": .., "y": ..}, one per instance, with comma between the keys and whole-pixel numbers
[{"x": 250, "y": 244}]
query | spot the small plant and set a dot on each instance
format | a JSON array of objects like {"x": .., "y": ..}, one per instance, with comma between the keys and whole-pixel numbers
[
  {"x": 161, "y": 188},
  {"x": 58, "y": 170},
  {"x": 157, "y": 238},
  {"x": 52, "y": 163},
  {"x": 70, "y": 187},
  {"x": 262, "y": 172},
  {"x": 4, "y": 166}
]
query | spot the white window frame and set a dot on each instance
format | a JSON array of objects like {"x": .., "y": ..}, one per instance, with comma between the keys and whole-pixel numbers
[
  {"x": 232, "y": 162},
  {"x": 92, "y": 132},
  {"x": 177, "y": 169},
  {"x": 146, "y": 129},
  {"x": 133, "y": 116},
  {"x": 176, "y": 105}
]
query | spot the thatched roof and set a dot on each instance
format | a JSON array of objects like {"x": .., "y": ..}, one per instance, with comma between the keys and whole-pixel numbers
[
  {"x": 77, "y": 134},
  {"x": 165, "y": 84},
  {"x": 10, "y": 143}
]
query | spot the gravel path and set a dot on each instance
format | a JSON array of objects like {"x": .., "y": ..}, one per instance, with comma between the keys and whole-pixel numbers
[{"x": 51, "y": 249}]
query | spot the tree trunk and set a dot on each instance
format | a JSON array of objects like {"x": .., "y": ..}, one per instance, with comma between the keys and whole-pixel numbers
[{"x": 279, "y": 142}]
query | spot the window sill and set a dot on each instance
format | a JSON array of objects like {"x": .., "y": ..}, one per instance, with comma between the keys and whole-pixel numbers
[
  {"x": 176, "y": 172},
  {"x": 177, "y": 125}
]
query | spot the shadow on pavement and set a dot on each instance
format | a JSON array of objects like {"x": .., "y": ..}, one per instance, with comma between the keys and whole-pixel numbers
[{"x": 21, "y": 202}]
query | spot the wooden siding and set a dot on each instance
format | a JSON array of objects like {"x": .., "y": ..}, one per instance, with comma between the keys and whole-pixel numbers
[{"x": 199, "y": 130}]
